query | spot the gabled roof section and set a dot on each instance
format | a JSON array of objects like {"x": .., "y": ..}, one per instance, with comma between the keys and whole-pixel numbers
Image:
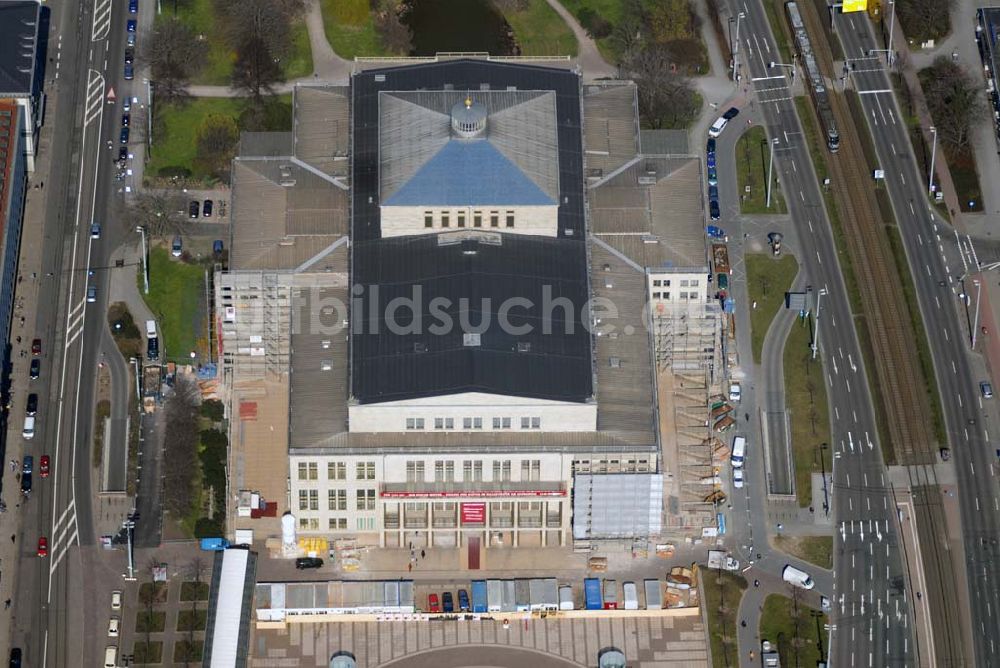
[
  {"x": 370, "y": 87},
  {"x": 469, "y": 173},
  {"x": 18, "y": 46}
]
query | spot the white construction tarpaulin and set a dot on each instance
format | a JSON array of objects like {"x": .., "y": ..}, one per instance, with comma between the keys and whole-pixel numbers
[{"x": 617, "y": 505}]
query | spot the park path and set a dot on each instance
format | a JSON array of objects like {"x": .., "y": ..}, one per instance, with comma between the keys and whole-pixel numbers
[{"x": 588, "y": 57}]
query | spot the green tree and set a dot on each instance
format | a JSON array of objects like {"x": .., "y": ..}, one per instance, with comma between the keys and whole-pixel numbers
[
  {"x": 671, "y": 20},
  {"x": 215, "y": 144}
]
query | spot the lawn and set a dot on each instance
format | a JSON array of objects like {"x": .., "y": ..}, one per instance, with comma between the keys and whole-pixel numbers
[
  {"x": 174, "y": 147},
  {"x": 191, "y": 590},
  {"x": 188, "y": 650},
  {"x": 752, "y": 160},
  {"x": 350, "y": 29},
  {"x": 796, "y": 630},
  {"x": 152, "y": 621},
  {"x": 809, "y": 414},
  {"x": 814, "y": 549},
  {"x": 191, "y": 620},
  {"x": 539, "y": 31},
  {"x": 768, "y": 279},
  {"x": 218, "y": 68},
  {"x": 721, "y": 593},
  {"x": 177, "y": 298},
  {"x": 151, "y": 653}
]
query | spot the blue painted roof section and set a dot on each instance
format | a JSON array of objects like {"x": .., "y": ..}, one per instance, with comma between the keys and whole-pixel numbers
[{"x": 469, "y": 173}]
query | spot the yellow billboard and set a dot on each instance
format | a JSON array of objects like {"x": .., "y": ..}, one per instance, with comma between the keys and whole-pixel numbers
[{"x": 854, "y": 6}]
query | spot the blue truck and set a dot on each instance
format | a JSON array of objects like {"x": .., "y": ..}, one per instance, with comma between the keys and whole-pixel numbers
[
  {"x": 479, "y": 598},
  {"x": 214, "y": 544},
  {"x": 592, "y": 594}
]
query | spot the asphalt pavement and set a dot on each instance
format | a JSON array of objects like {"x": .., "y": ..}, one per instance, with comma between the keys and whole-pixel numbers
[
  {"x": 870, "y": 615},
  {"x": 936, "y": 266}
]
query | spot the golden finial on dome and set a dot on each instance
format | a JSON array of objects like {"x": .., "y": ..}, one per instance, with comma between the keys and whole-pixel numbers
[{"x": 468, "y": 102}]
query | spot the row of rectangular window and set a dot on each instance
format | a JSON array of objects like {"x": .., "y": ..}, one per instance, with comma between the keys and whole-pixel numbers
[
  {"x": 477, "y": 219},
  {"x": 336, "y": 523},
  {"x": 336, "y": 499},
  {"x": 472, "y": 470},
  {"x": 336, "y": 471},
  {"x": 473, "y": 423},
  {"x": 683, "y": 296},
  {"x": 685, "y": 283}
]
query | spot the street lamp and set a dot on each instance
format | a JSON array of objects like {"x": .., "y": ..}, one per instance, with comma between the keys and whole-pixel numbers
[
  {"x": 892, "y": 23},
  {"x": 822, "y": 468},
  {"x": 736, "y": 47},
  {"x": 930, "y": 175},
  {"x": 815, "y": 343},
  {"x": 770, "y": 167},
  {"x": 145, "y": 265},
  {"x": 791, "y": 67}
]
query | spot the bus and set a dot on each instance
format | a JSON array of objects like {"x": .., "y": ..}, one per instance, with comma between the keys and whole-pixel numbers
[{"x": 739, "y": 452}]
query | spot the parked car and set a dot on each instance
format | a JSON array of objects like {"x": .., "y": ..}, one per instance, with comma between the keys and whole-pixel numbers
[
  {"x": 713, "y": 209},
  {"x": 193, "y": 208},
  {"x": 710, "y": 146},
  {"x": 129, "y": 71},
  {"x": 986, "y": 390},
  {"x": 114, "y": 625},
  {"x": 206, "y": 208},
  {"x": 91, "y": 294},
  {"x": 731, "y": 113},
  {"x": 126, "y": 120},
  {"x": 116, "y": 599},
  {"x": 123, "y": 136},
  {"x": 127, "y": 103},
  {"x": 130, "y": 40},
  {"x": 130, "y": 26},
  {"x": 713, "y": 178},
  {"x": 32, "y": 405},
  {"x": 129, "y": 55},
  {"x": 36, "y": 368},
  {"x": 463, "y": 601},
  {"x": 303, "y": 563},
  {"x": 217, "y": 247},
  {"x": 713, "y": 193},
  {"x": 152, "y": 349},
  {"x": 133, "y": 6},
  {"x": 432, "y": 603},
  {"x": 43, "y": 546},
  {"x": 717, "y": 127},
  {"x": 95, "y": 231},
  {"x": 711, "y": 160},
  {"x": 43, "y": 466},
  {"x": 738, "y": 478},
  {"x": 176, "y": 247},
  {"x": 15, "y": 657},
  {"x": 36, "y": 347},
  {"x": 447, "y": 602}
]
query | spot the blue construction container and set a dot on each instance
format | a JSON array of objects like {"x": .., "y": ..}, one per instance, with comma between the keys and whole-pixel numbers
[{"x": 479, "y": 598}]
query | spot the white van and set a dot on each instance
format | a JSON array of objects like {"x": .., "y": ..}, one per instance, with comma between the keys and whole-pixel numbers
[
  {"x": 718, "y": 126},
  {"x": 150, "y": 329},
  {"x": 797, "y": 577},
  {"x": 110, "y": 656},
  {"x": 29, "y": 427}
]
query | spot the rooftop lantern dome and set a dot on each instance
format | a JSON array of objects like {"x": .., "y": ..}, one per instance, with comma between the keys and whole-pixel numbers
[{"x": 468, "y": 119}]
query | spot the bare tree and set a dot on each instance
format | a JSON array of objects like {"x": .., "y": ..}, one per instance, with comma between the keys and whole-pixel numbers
[
  {"x": 396, "y": 36},
  {"x": 161, "y": 212},
  {"x": 216, "y": 144},
  {"x": 260, "y": 32},
  {"x": 667, "y": 99},
  {"x": 174, "y": 54},
  {"x": 180, "y": 447},
  {"x": 954, "y": 100},
  {"x": 924, "y": 19},
  {"x": 257, "y": 69}
]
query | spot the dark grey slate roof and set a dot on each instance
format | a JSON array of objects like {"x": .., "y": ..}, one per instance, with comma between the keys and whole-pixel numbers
[
  {"x": 471, "y": 280},
  {"x": 464, "y": 75},
  {"x": 19, "y": 21}
]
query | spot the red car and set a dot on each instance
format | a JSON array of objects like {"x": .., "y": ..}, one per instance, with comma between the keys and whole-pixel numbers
[
  {"x": 43, "y": 547},
  {"x": 36, "y": 347},
  {"x": 43, "y": 466},
  {"x": 432, "y": 603}
]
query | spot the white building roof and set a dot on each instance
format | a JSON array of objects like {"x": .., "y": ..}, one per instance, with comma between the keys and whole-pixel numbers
[{"x": 229, "y": 608}]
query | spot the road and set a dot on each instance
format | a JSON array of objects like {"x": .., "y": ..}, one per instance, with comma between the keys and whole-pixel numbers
[
  {"x": 871, "y": 613},
  {"x": 936, "y": 266},
  {"x": 49, "y": 599}
]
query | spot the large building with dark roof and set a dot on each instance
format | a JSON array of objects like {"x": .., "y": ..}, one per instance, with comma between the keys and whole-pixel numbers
[
  {"x": 454, "y": 345},
  {"x": 23, "y": 27}
]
